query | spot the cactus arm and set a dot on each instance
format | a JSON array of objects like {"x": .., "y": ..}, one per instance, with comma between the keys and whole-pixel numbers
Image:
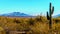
[
  {"x": 48, "y": 16},
  {"x": 52, "y": 10}
]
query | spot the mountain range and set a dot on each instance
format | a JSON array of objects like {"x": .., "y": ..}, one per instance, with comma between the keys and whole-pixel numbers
[
  {"x": 16, "y": 14},
  {"x": 58, "y": 15}
]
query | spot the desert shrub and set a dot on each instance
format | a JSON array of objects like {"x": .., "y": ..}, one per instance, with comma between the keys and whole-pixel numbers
[
  {"x": 31, "y": 21},
  {"x": 56, "y": 20},
  {"x": 39, "y": 18},
  {"x": 2, "y": 30},
  {"x": 7, "y": 31},
  {"x": 17, "y": 21},
  {"x": 23, "y": 27}
]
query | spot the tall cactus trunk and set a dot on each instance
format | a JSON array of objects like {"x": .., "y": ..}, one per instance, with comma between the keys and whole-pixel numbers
[
  {"x": 50, "y": 22},
  {"x": 49, "y": 15}
]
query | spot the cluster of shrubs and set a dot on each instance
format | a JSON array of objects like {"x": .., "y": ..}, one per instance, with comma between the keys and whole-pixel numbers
[{"x": 36, "y": 25}]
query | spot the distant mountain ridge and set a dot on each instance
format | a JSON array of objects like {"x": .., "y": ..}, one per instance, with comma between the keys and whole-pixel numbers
[
  {"x": 16, "y": 14},
  {"x": 58, "y": 15}
]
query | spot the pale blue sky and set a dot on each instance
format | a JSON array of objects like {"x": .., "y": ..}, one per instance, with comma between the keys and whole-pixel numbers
[{"x": 32, "y": 7}]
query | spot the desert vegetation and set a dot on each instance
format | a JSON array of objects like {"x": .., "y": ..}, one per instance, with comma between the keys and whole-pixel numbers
[
  {"x": 33, "y": 25},
  {"x": 36, "y": 25}
]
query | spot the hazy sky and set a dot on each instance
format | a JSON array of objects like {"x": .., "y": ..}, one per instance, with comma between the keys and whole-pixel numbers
[{"x": 32, "y": 7}]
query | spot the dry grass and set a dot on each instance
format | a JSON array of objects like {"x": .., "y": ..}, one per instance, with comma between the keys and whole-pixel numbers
[{"x": 37, "y": 25}]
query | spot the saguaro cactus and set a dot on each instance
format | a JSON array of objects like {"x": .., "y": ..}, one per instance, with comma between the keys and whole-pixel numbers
[{"x": 49, "y": 15}]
